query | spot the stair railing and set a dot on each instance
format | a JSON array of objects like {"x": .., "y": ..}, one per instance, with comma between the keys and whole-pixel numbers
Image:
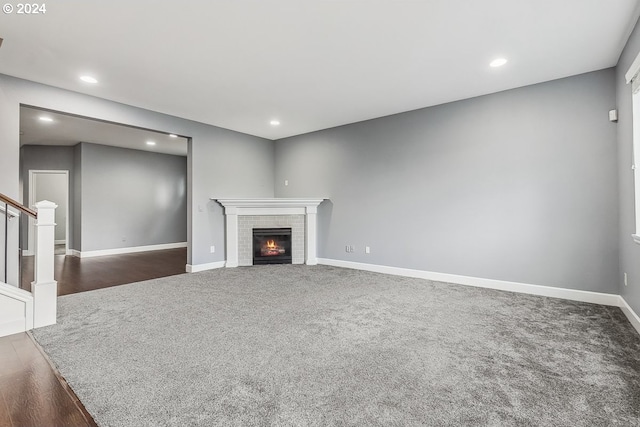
[
  {"x": 11, "y": 211},
  {"x": 44, "y": 288}
]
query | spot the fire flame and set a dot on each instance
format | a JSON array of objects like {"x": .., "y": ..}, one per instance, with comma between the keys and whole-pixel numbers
[{"x": 271, "y": 244}]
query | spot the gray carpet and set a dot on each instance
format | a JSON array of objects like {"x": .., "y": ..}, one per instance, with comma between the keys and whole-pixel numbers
[{"x": 323, "y": 346}]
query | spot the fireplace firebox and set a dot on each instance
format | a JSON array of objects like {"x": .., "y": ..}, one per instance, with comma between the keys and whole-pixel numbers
[{"x": 271, "y": 246}]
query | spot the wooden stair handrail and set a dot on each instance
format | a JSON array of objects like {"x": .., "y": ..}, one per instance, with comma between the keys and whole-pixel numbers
[{"x": 9, "y": 201}]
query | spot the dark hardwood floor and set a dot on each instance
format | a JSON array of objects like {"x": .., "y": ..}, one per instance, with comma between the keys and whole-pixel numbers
[
  {"x": 85, "y": 274},
  {"x": 32, "y": 393}
]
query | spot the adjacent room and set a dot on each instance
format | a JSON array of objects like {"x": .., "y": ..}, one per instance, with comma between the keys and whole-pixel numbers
[
  {"x": 89, "y": 159},
  {"x": 321, "y": 213}
]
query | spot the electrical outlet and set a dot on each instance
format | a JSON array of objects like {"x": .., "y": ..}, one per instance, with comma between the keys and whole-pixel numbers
[
  {"x": 286, "y": 182},
  {"x": 367, "y": 250},
  {"x": 346, "y": 248},
  {"x": 213, "y": 249},
  {"x": 352, "y": 249},
  {"x": 625, "y": 280}
]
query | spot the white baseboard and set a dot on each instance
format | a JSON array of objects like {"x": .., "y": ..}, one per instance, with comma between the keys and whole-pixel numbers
[
  {"x": 202, "y": 267},
  {"x": 12, "y": 327},
  {"x": 134, "y": 249},
  {"x": 27, "y": 252},
  {"x": 634, "y": 319},
  {"x": 16, "y": 310},
  {"x": 547, "y": 291}
]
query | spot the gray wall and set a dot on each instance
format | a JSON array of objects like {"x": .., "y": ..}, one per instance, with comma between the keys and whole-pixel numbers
[
  {"x": 76, "y": 194},
  {"x": 222, "y": 163},
  {"x": 520, "y": 186},
  {"x": 148, "y": 208},
  {"x": 41, "y": 157},
  {"x": 629, "y": 251},
  {"x": 131, "y": 198}
]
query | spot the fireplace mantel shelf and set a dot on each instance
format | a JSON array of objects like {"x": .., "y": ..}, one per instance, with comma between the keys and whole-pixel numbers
[
  {"x": 238, "y": 207},
  {"x": 253, "y": 204}
]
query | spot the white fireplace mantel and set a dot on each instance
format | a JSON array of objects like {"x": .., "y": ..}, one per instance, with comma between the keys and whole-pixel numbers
[{"x": 237, "y": 207}]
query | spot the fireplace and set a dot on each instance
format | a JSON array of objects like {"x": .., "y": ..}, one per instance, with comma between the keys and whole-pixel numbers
[
  {"x": 271, "y": 246},
  {"x": 243, "y": 215}
]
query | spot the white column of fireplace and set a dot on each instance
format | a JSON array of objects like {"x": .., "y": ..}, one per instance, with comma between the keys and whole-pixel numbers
[{"x": 258, "y": 207}]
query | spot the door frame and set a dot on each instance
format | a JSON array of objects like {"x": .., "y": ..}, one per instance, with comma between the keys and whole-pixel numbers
[{"x": 31, "y": 228}]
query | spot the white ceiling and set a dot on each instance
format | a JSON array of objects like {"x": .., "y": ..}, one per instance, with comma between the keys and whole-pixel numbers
[
  {"x": 311, "y": 64},
  {"x": 70, "y": 130}
]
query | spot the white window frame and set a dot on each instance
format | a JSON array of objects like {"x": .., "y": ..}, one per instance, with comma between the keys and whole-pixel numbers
[{"x": 633, "y": 76}]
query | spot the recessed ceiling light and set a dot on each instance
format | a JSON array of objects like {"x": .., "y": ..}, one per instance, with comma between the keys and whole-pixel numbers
[
  {"x": 274, "y": 123},
  {"x": 151, "y": 143},
  {"x": 45, "y": 119},
  {"x": 88, "y": 79},
  {"x": 498, "y": 62},
  {"x": 172, "y": 135}
]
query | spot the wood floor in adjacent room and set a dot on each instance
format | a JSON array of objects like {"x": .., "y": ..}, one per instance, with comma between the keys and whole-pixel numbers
[
  {"x": 31, "y": 392},
  {"x": 86, "y": 274}
]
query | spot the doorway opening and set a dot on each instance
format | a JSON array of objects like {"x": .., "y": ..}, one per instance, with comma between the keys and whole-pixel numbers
[
  {"x": 126, "y": 197},
  {"x": 51, "y": 185}
]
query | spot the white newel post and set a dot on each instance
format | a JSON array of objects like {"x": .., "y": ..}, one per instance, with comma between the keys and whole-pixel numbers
[
  {"x": 312, "y": 258},
  {"x": 44, "y": 287},
  {"x": 232, "y": 236}
]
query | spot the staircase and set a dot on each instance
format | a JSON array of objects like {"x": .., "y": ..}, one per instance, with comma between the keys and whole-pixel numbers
[{"x": 21, "y": 310}]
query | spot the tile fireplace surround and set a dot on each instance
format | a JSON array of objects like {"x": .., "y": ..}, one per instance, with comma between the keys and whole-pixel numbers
[{"x": 243, "y": 214}]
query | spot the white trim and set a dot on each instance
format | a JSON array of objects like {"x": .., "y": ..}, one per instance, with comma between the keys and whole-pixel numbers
[
  {"x": 26, "y": 252},
  {"x": 202, "y": 267},
  {"x": 636, "y": 238},
  {"x": 15, "y": 293},
  {"x": 13, "y": 327},
  {"x": 291, "y": 210},
  {"x": 32, "y": 202},
  {"x": 60, "y": 242},
  {"x": 635, "y": 101},
  {"x": 75, "y": 253},
  {"x": 548, "y": 291},
  {"x": 268, "y": 203},
  {"x": 634, "y": 319},
  {"x": 633, "y": 70},
  {"x": 243, "y": 207},
  {"x": 19, "y": 325},
  {"x": 130, "y": 250}
]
